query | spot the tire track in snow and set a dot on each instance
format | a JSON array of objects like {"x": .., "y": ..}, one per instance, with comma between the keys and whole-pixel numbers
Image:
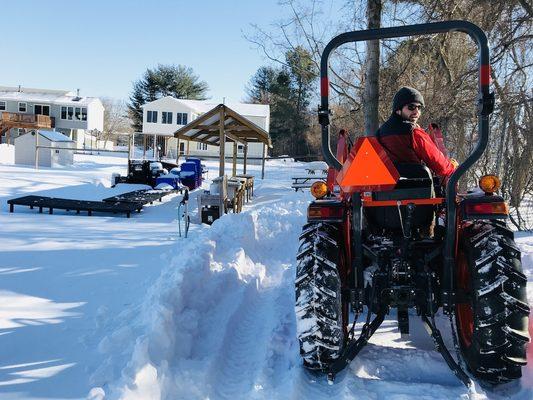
[{"x": 235, "y": 369}]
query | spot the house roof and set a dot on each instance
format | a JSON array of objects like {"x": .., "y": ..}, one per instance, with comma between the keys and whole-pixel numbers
[
  {"x": 54, "y": 136},
  {"x": 203, "y": 106},
  {"x": 44, "y": 96},
  {"x": 237, "y": 128}
]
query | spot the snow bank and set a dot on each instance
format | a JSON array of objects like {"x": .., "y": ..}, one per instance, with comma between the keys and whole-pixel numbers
[{"x": 219, "y": 322}]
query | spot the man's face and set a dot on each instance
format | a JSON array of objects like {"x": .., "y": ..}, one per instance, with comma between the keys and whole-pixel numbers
[{"x": 410, "y": 112}]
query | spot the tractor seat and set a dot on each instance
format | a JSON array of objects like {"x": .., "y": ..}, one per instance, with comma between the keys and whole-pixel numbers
[{"x": 416, "y": 182}]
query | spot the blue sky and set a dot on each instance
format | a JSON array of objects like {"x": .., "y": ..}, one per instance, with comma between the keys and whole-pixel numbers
[{"x": 101, "y": 47}]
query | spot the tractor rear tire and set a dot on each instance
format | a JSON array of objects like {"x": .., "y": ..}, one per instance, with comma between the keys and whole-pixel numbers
[
  {"x": 492, "y": 323},
  {"x": 319, "y": 312}
]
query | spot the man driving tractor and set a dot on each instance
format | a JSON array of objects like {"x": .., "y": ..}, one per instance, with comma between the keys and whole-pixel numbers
[{"x": 405, "y": 141}]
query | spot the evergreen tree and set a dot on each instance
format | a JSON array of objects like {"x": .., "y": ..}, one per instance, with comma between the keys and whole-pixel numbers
[
  {"x": 259, "y": 90},
  {"x": 177, "y": 81},
  {"x": 288, "y": 91}
]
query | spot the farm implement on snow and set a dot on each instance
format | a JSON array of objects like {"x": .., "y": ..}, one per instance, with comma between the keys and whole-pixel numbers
[{"x": 366, "y": 245}]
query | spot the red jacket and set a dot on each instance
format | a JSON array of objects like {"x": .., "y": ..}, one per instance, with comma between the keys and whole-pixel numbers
[{"x": 405, "y": 142}]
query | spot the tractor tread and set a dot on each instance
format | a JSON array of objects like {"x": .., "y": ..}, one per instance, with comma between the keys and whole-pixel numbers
[
  {"x": 319, "y": 318},
  {"x": 499, "y": 303}
]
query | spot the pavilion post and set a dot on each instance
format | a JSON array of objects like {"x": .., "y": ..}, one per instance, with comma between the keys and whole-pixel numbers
[
  {"x": 234, "y": 171},
  {"x": 263, "y": 163},
  {"x": 222, "y": 140},
  {"x": 245, "y": 158},
  {"x": 178, "y": 150},
  {"x": 154, "y": 146},
  {"x": 188, "y": 148}
]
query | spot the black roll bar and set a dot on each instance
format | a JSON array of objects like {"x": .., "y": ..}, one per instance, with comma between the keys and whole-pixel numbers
[{"x": 484, "y": 108}]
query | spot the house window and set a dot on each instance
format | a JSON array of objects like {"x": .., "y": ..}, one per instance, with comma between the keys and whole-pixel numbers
[
  {"x": 181, "y": 118},
  {"x": 77, "y": 113},
  {"x": 240, "y": 149},
  {"x": 166, "y": 117},
  {"x": 84, "y": 114},
  {"x": 151, "y": 116},
  {"x": 21, "y": 131},
  {"x": 67, "y": 113},
  {"x": 182, "y": 148},
  {"x": 40, "y": 109},
  {"x": 22, "y": 107},
  {"x": 2, "y": 105},
  {"x": 201, "y": 146}
]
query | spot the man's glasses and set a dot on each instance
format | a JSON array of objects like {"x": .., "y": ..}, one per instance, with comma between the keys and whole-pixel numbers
[{"x": 412, "y": 107}]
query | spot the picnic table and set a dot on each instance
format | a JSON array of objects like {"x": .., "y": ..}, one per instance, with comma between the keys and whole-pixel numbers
[
  {"x": 236, "y": 190},
  {"x": 314, "y": 171},
  {"x": 249, "y": 185}
]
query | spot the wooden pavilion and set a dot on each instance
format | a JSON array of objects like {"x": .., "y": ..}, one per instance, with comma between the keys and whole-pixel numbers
[{"x": 220, "y": 125}]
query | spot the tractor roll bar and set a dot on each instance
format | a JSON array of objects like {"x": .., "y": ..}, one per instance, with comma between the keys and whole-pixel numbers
[{"x": 485, "y": 107}]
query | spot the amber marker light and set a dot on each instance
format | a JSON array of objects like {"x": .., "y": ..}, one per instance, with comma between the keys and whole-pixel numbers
[
  {"x": 319, "y": 189},
  {"x": 489, "y": 183}
]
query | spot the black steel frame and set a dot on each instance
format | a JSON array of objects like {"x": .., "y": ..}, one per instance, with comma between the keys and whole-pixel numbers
[{"x": 485, "y": 107}]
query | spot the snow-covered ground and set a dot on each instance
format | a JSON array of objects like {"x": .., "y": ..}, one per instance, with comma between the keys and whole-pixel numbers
[{"x": 106, "y": 307}]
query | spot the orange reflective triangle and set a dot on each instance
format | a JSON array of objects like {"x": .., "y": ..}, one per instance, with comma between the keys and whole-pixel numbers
[{"x": 368, "y": 168}]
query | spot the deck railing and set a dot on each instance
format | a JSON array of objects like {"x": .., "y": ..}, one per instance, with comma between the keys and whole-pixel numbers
[{"x": 40, "y": 121}]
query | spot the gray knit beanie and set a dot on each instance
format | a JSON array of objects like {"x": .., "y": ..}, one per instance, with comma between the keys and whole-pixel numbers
[{"x": 406, "y": 95}]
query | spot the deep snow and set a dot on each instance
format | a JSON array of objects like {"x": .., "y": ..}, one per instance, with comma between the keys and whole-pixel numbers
[{"x": 109, "y": 307}]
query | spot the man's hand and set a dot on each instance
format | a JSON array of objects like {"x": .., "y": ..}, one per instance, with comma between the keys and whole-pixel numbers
[{"x": 454, "y": 162}]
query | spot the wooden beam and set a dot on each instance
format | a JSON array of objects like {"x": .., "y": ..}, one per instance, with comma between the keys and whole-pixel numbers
[
  {"x": 200, "y": 133},
  {"x": 245, "y": 159},
  {"x": 188, "y": 147},
  {"x": 198, "y": 121},
  {"x": 262, "y": 135},
  {"x": 178, "y": 150},
  {"x": 263, "y": 162},
  {"x": 222, "y": 140},
  {"x": 235, "y": 138},
  {"x": 234, "y": 171},
  {"x": 229, "y": 128}
]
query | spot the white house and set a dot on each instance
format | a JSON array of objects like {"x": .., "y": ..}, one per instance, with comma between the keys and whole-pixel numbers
[
  {"x": 71, "y": 114},
  {"x": 54, "y": 156},
  {"x": 165, "y": 116}
]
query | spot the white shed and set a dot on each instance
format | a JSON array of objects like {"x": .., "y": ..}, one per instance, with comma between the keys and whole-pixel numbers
[{"x": 52, "y": 156}]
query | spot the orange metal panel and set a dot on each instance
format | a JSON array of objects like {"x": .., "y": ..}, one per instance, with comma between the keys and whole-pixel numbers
[
  {"x": 387, "y": 203},
  {"x": 368, "y": 168}
]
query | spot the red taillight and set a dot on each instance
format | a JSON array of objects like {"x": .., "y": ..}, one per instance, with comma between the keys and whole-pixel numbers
[
  {"x": 325, "y": 212},
  {"x": 487, "y": 208}
]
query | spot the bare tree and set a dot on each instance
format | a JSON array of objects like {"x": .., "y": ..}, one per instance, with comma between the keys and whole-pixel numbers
[
  {"x": 371, "y": 93},
  {"x": 116, "y": 120}
]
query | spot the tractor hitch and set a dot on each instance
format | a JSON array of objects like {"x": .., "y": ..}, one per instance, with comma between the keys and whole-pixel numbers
[
  {"x": 432, "y": 329},
  {"x": 354, "y": 347}
]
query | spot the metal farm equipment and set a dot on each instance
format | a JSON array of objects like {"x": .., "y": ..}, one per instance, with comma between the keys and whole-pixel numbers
[{"x": 366, "y": 245}]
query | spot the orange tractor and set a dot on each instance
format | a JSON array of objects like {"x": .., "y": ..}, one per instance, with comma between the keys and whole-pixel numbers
[{"x": 365, "y": 245}]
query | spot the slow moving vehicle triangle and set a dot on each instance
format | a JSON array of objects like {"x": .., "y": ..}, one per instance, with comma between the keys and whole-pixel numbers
[{"x": 368, "y": 168}]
